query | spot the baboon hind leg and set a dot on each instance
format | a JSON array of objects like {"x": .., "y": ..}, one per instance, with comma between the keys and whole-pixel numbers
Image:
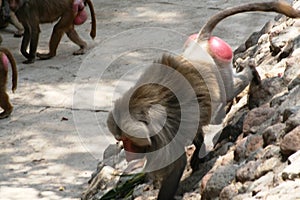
[
  {"x": 5, "y": 105},
  {"x": 74, "y": 37},
  {"x": 199, "y": 151},
  {"x": 59, "y": 29}
]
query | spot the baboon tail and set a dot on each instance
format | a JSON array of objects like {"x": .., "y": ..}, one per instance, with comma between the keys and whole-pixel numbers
[
  {"x": 93, "y": 16},
  {"x": 280, "y": 6}
]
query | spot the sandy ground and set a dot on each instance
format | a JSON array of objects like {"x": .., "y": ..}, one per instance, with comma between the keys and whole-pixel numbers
[{"x": 56, "y": 135}]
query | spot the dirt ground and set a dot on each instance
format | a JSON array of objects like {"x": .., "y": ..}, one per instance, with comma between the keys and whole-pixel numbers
[{"x": 57, "y": 134}]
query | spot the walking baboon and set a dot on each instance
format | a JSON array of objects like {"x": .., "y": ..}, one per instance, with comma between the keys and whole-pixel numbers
[
  {"x": 6, "y": 58},
  {"x": 31, "y": 13},
  {"x": 176, "y": 96}
]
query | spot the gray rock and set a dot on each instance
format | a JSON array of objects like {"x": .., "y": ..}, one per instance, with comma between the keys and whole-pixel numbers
[
  {"x": 256, "y": 117},
  {"x": 247, "y": 172},
  {"x": 222, "y": 177},
  {"x": 290, "y": 100},
  {"x": 292, "y": 122},
  {"x": 265, "y": 92},
  {"x": 272, "y": 133},
  {"x": 289, "y": 112},
  {"x": 247, "y": 146}
]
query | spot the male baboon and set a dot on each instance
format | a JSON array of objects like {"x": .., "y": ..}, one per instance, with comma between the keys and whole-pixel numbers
[{"x": 159, "y": 115}]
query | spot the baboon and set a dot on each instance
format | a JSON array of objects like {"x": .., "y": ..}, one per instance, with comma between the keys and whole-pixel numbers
[
  {"x": 158, "y": 116},
  {"x": 5, "y": 58},
  {"x": 8, "y": 16},
  {"x": 31, "y": 13}
]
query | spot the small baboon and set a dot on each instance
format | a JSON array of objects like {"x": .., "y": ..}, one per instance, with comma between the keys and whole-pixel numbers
[
  {"x": 31, "y": 13},
  {"x": 178, "y": 95},
  {"x": 6, "y": 58}
]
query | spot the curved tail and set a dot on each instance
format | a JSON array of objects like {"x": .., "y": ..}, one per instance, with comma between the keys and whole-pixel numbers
[
  {"x": 275, "y": 6},
  {"x": 13, "y": 67},
  {"x": 92, "y": 11}
]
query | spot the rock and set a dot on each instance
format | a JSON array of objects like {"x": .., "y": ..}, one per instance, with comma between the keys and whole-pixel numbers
[
  {"x": 268, "y": 88},
  {"x": 191, "y": 196},
  {"x": 281, "y": 45},
  {"x": 290, "y": 100},
  {"x": 231, "y": 131},
  {"x": 289, "y": 112},
  {"x": 291, "y": 142},
  {"x": 266, "y": 166},
  {"x": 271, "y": 151},
  {"x": 292, "y": 171},
  {"x": 205, "y": 180},
  {"x": 292, "y": 70},
  {"x": 288, "y": 190},
  {"x": 272, "y": 133},
  {"x": 221, "y": 177},
  {"x": 145, "y": 192},
  {"x": 256, "y": 117},
  {"x": 247, "y": 172},
  {"x": 294, "y": 82},
  {"x": 294, "y": 157},
  {"x": 101, "y": 183},
  {"x": 261, "y": 185},
  {"x": 230, "y": 191},
  {"x": 254, "y": 37},
  {"x": 112, "y": 150},
  {"x": 247, "y": 146},
  {"x": 292, "y": 122}
]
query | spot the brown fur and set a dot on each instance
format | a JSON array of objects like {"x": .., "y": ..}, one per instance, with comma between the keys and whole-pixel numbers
[
  {"x": 142, "y": 97},
  {"x": 31, "y": 13},
  {"x": 4, "y": 98}
]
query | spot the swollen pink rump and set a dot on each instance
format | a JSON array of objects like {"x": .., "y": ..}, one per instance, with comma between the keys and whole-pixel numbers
[
  {"x": 78, "y": 8},
  {"x": 4, "y": 61},
  {"x": 220, "y": 49}
]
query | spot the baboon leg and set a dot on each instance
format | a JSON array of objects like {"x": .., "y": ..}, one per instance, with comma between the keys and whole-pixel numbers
[
  {"x": 31, "y": 35},
  {"x": 196, "y": 160},
  {"x": 25, "y": 42},
  {"x": 170, "y": 184},
  {"x": 5, "y": 105},
  {"x": 74, "y": 37},
  {"x": 58, "y": 31},
  {"x": 14, "y": 21}
]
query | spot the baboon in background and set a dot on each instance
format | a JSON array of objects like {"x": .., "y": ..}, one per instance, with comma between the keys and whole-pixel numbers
[
  {"x": 31, "y": 13},
  {"x": 8, "y": 16},
  {"x": 6, "y": 58},
  {"x": 158, "y": 116}
]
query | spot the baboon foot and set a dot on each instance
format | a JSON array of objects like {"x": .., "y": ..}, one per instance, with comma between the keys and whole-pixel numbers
[
  {"x": 44, "y": 56},
  {"x": 29, "y": 61},
  {"x": 18, "y": 34},
  {"x": 79, "y": 52},
  {"x": 5, "y": 114}
]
